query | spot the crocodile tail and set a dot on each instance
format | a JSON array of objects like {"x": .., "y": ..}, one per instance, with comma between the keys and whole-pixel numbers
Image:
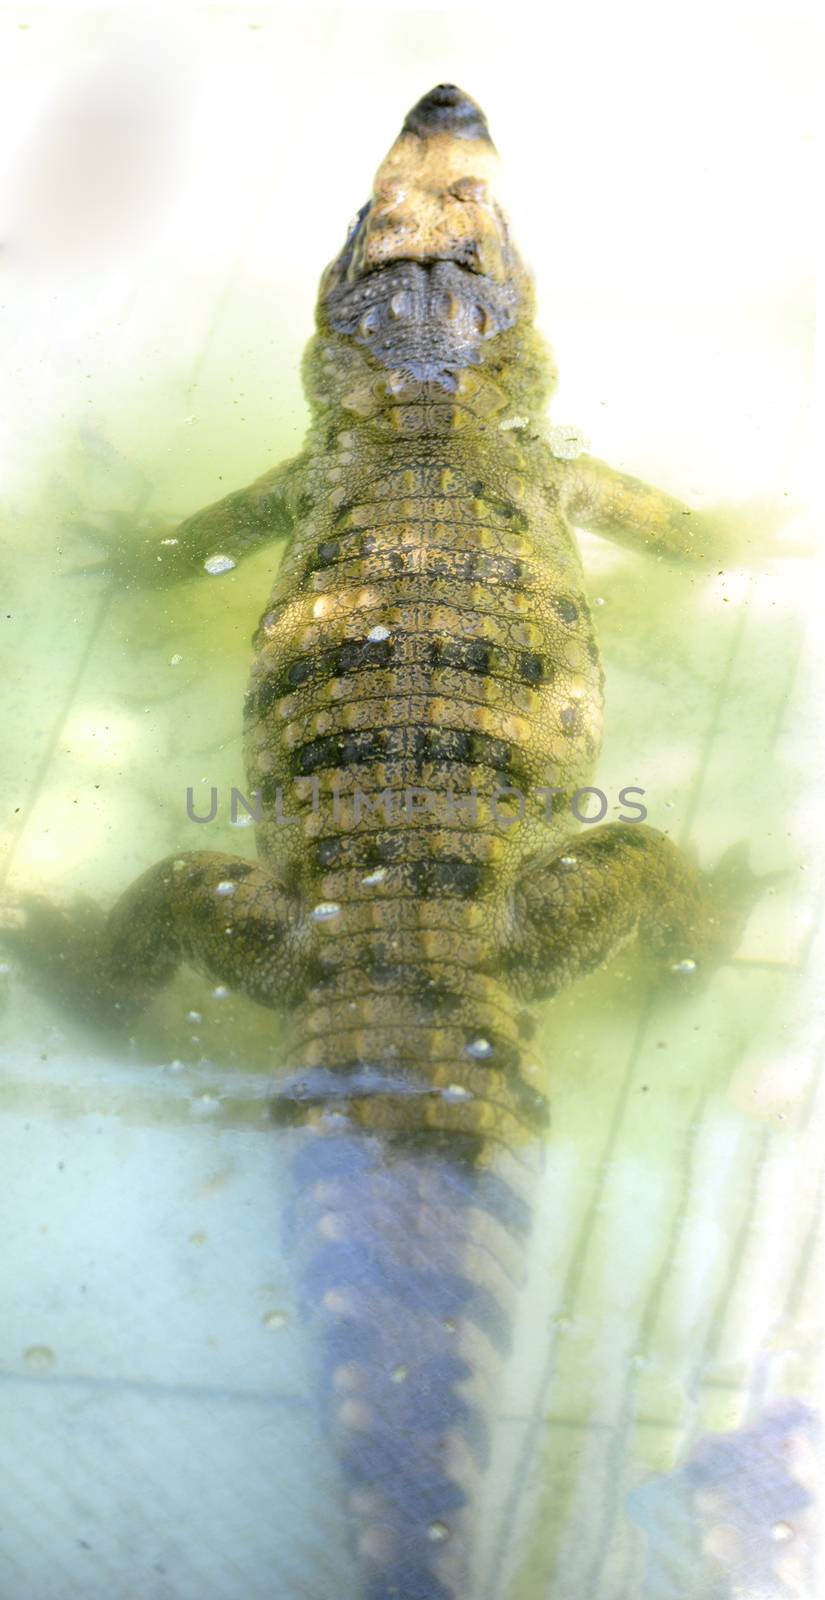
[{"x": 407, "y": 1259}]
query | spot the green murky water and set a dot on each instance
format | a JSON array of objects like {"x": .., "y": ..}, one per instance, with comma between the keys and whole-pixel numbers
[{"x": 159, "y": 1436}]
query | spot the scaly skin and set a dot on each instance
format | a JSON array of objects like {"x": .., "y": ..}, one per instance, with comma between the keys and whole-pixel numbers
[{"x": 427, "y": 636}]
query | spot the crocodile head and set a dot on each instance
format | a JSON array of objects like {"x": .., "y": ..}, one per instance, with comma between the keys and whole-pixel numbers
[
  {"x": 434, "y": 196},
  {"x": 431, "y": 247}
]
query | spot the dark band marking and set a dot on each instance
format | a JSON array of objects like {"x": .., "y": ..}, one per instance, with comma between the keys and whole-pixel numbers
[
  {"x": 474, "y": 749},
  {"x": 500, "y": 506},
  {"x": 411, "y": 982},
  {"x": 470, "y": 566},
  {"x": 418, "y": 744},
  {"x": 565, "y": 608},
  {"x": 331, "y": 852},
  {"x": 377, "y": 843},
  {"x": 448, "y": 878},
  {"x": 384, "y": 849},
  {"x": 468, "y": 655},
  {"x": 358, "y": 653},
  {"x": 534, "y": 668},
  {"x": 298, "y": 672},
  {"x": 403, "y": 650},
  {"x": 278, "y": 682},
  {"x": 258, "y": 701},
  {"x": 427, "y": 563},
  {"x": 339, "y": 751},
  {"x": 283, "y": 679}
]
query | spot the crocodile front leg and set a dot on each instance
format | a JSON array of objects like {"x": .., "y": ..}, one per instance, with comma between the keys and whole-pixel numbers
[
  {"x": 227, "y": 917},
  {"x": 597, "y": 497},
  {"x": 570, "y": 911}
]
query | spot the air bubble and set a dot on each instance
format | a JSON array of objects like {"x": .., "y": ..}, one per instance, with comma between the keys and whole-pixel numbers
[
  {"x": 377, "y": 634},
  {"x": 226, "y": 886},
  {"x": 274, "y": 1319},
  {"x": 215, "y": 565},
  {"x": 566, "y": 442},
  {"x": 781, "y": 1532},
  {"x": 480, "y": 1049},
  {"x": 39, "y": 1357},
  {"x": 456, "y": 1091},
  {"x": 437, "y": 1532},
  {"x": 194, "y": 1016},
  {"x": 684, "y": 968},
  {"x": 399, "y": 1374},
  {"x": 373, "y": 878},
  {"x": 175, "y": 661},
  {"x": 568, "y": 861},
  {"x": 205, "y": 1105},
  {"x": 325, "y": 910},
  {"x": 221, "y": 992}
]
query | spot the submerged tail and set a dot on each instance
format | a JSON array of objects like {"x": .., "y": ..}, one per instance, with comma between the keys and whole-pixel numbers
[{"x": 407, "y": 1257}]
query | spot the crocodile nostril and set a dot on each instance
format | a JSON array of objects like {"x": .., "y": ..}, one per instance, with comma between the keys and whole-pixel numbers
[
  {"x": 446, "y": 94},
  {"x": 447, "y": 109}
]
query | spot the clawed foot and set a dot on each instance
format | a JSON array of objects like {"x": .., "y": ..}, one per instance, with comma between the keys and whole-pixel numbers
[
  {"x": 762, "y": 529},
  {"x": 61, "y": 950},
  {"x": 729, "y": 894},
  {"x": 139, "y": 552}
]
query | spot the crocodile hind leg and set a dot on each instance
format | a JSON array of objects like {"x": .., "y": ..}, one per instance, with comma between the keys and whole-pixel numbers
[
  {"x": 571, "y": 910},
  {"x": 229, "y": 918}
]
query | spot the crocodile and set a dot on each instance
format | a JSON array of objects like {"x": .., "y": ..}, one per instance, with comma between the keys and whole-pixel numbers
[{"x": 425, "y": 675}]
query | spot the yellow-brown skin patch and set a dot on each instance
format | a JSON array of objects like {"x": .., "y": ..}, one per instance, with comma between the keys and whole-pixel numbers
[{"x": 435, "y": 200}]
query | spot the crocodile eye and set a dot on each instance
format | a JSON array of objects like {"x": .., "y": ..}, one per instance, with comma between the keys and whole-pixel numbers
[{"x": 469, "y": 189}]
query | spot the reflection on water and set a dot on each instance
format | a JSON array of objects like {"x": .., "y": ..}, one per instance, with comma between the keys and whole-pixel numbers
[
  {"x": 646, "y": 1435},
  {"x": 737, "y": 1517}
]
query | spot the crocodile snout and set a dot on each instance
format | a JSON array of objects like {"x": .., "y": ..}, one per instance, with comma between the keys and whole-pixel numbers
[{"x": 447, "y": 109}]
